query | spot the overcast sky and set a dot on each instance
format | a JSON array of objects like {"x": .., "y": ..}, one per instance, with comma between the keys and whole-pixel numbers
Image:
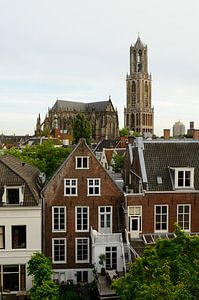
[{"x": 79, "y": 50}]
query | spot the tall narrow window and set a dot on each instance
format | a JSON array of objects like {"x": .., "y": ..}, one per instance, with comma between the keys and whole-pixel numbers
[
  {"x": 82, "y": 250},
  {"x": 105, "y": 219},
  {"x": 59, "y": 250},
  {"x": 59, "y": 218},
  {"x": 18, "y": 237},
  {"x": 111, "y": 258},
  {"x": 11, "y": 277},
  {"x": 82, "y": 218},
  {"x": 161, "y": 218},
  {"x": 184, "y": 216},
  {"x": 2, "y": 237}
]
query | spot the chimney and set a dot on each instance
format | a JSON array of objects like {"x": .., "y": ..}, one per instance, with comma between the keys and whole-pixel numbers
[
  {"x": 166, "y": 134},
  {"x": 196, "y": 134}
]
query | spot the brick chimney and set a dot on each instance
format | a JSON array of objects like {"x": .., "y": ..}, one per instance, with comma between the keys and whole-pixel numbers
[
  {"x": 196, "y": 134},
  {"x": 166, "y": 134}
]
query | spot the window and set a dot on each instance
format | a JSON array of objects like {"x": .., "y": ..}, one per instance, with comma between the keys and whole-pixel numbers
[
  {"x": 105, "y": 219},
  {"x": 2, "y": 237},
  {"x": 111, "y": 258},
  {"x": 18, "y": 237},
  {"x": 13, "y": 277},
  {"x": 184, "y": 216},
  {"x": 94, "y": 187},
  {"x": 184, "y": 178},
  {"x": 82, "y": 250},
  {"x": 59, "y": 251},
  {"x": 70, "y": 187},
  {"x": 135, "y": 218},
  {"x": 82, "y": 218},
  {"x": 59, "y": 218},
  {"x": 161, "y": 218},
  {"x": 82, "y": 162},
  {"x": 13, "y": 195},
  {"x": 82, "y": 276}
]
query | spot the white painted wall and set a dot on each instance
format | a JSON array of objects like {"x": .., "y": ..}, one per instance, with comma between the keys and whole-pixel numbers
[{"x": 29, "y": 216}]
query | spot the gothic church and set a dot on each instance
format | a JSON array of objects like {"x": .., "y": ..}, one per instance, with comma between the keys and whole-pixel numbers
[{"x": 138, "y": 114}]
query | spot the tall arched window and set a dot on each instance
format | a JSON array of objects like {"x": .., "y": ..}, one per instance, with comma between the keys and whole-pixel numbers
[
  {"x": 146, "y": 94},
  {"x": 133, "y": 93}
]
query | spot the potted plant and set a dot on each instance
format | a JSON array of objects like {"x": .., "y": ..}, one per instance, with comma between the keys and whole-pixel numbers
[{"x": 102, "y": 258}]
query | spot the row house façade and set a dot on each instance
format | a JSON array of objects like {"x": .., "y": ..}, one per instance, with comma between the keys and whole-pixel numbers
[
  {"x": 81, "y": 218},
  {"x": 20, "y": 222},
  {"x": 162, "y": 189}
]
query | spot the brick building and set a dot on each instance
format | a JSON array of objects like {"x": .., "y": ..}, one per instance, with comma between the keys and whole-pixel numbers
[
  {"x": 81, "y": 209},
  {"x": 162, "y": 188}
]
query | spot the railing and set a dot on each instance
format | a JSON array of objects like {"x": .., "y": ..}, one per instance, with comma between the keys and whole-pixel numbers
[{"x": 104, "y": 238}]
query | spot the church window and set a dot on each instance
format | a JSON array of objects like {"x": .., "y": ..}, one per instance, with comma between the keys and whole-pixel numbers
[
  {"x": 146, "y": 93},
  {"x": 133, "y": 93}
]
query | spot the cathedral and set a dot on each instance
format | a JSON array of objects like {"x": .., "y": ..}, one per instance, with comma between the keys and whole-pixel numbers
[
  {"x": 138, "y": 113},
  {"x": 60, "y": 118},
  {"x": 103, "y": 117}
]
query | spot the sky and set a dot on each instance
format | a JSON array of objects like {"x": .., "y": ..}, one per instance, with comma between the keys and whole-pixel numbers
[{"x": 79, "y": 50}]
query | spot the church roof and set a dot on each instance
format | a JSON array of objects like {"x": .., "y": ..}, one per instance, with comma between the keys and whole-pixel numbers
[{"x": 65, "y": 105}]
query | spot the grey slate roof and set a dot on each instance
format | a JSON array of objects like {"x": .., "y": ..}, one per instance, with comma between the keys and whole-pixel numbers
[
  {"x": 106, "y": 144},
  {"x": 14, "y": 172},
  {"x": 160, "y": 155},
  {"x": 65, "y": 105}
]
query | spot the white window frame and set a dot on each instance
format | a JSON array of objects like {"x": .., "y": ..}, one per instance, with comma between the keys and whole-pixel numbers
[
  {"x": 88, "y": 250},
  {"x": 183, "y": 205},
  {"x": 112, "y": 251},
  {"x": 82, "y": 162},
  {"x": 53, "y": 219},
  {"x": 53, "y": 250},
  {"x": 136, "y": 215},
  {"x": 167, "y": 218},
  {"x": 82, "y": 214},
  {"x": 21, "y": 194},
  {"x": 93, "y": 185},
  {"x": 2, "y": 237},
  {"x": 105, "y": 213},
  {"x": 177, "y": 170},
  {"x": 70, "y": 186}
]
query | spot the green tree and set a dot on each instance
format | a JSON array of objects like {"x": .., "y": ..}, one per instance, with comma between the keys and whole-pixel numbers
[
  {"x": 46, "y": 156},
  {"x": 44, "y": 288},
  {"x": 81, "y": 128},
  {"x": 117, "y": 162},
  {"x": 128, "y": 133},
  {"x": 168, "y": 270}
]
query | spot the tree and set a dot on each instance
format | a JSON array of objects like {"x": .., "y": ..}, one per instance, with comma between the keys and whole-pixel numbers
[
  {"x": 44, "y": 288},
  {"x": 117, "y": 162},
  {"x": 168, "y": 270},
  {"x": 46, "y": 156},
  {"x": 81, "y": 128},
  {"x": 128, "y": 133}
]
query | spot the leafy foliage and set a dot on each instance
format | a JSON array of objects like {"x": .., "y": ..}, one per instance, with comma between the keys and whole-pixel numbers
[
  {"x": 168, "y": 270},
  {"x": 46, "y": 157},
  {"x": 39, "y": 266},
  {"x": 118, "y": 162},
  {"x": 128, "y": 133},
  {"x": 81, "y": 128}
]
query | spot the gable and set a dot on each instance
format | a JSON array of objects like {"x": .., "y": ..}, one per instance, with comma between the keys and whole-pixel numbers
[{"x": 69, "y": 170}]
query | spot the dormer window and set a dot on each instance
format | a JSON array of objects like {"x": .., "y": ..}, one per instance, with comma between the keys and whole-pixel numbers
[
  {"x": 183, "y": 178},
  {"x": 13, "y": 195},
  {"x": 82, "y": 162}
]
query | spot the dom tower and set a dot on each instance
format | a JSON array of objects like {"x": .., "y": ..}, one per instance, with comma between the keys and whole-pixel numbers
[{"x": 138, "y": 114}]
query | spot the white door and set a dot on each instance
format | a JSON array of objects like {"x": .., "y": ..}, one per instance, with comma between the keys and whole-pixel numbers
[{"x": 134, "y": 226}]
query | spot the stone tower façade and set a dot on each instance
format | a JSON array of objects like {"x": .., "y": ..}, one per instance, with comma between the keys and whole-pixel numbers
[{"x": 138, "y": 113}]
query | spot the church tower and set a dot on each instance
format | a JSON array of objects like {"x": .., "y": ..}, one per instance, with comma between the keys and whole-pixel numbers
[{"x": 138, "y": 114}]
